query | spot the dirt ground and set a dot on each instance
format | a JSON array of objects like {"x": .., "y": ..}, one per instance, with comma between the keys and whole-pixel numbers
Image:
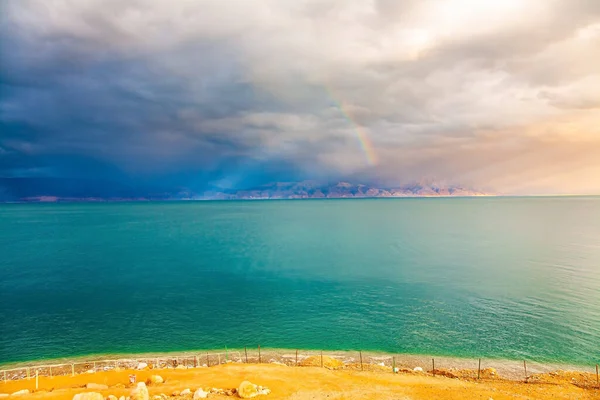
[{"x": 314, "y": 382}]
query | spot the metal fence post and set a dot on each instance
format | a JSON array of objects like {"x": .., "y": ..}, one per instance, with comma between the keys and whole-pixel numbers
[
  {"x": 361, "y": 364},
  {"x": 479, "y": 369}
]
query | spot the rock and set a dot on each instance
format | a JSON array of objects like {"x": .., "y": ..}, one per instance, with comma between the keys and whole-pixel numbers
[
  {"x": 185, "y": 392},
  {"x": 200, "y": 394},
  {"x": 418, "y": 369},
  {"x": 155, "y": 380},
  {"x": 23, "y": 392},
  {"x": 488, "y": 372},
  {"x": 264, "y": 391},
  {"x": 163, "y": 396},
  {"x": 111, "y": 397},
  {"x": 156, "y": 397},
  {"x": 142, "y": 365},
  {"x": 88, "y": 396},
  {"x": 176, "y": 393},
  {"x": 396, "y": 370},
  {"x": 140, "y": 392},
  {"x": 122, "y": 398},
  {"x": 247, "y": 390},
  {"x": 96, "y": 386}
]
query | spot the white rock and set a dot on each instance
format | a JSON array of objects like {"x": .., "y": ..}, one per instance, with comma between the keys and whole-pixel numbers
[
  {"x": 111, "y": 397},
  {"x": 418, "y": 369},
  {"x": 96, "y": 386},
  {"x": 21, "y": 392},
  {"x": 142, "y": 365},
  {"x": 396, "y": 369},
  {"x": 185, "y": 392},
  {"x": 140, "y": 392},
  {"x": 264, "y": 391},
  {"x": 88, "y": 396},
  {"x": 122, "y": 398},
  {"x": 381, "y": 364},
  {"x": 155, "y": 380},
  {"x": 200, "y": 394}
]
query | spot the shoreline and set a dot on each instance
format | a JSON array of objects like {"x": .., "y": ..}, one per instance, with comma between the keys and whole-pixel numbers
[{"x": 506, "y": 368}]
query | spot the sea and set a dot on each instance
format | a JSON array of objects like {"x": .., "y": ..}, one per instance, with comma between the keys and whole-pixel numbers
[{"x": 514, "y": 278}]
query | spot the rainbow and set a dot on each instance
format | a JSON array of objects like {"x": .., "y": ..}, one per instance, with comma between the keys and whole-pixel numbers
[{"x": 361, "y": 133}]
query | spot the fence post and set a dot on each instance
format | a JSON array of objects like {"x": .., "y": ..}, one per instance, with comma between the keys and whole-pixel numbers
[
  {"x": 297, "y": 359},
  {"x": 597, "y": 380},
  {"x": 5, "y": 374},
  {"x": 433, "y": 366},
  {"x": 50, "y": 371},
  {"x": 226, "y": 355},
  {"x": 207, "y": 360},
  {"x": 36, "y": 379},
  {"x": 246, "y": 352},
  {"x": 72, "y": 369},
  {"x": 525, "y": 366},
  {"x": 479, "y": 369},
  {"x": 27, "y": 372},
  {"x": 361, "y": 364},
  {"x": 195, "y": 361},
  {"x": 219, "y": 356},
  {"x": 259, "y": 359},
  {"x": 321, "y": 358},
  {"x": 94, "y": 366},
  {"x": 394, "y": 364}
]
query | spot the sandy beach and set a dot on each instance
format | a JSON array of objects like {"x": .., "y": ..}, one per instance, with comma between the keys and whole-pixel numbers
[{"x": 334, "y": 381}]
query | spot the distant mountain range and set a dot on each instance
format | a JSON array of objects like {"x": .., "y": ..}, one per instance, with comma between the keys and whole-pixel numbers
[
  {"x": 312, "y": 190},
  {"x": 99, "y": 191}
]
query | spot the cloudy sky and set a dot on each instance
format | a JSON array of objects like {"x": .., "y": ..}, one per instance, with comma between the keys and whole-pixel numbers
[{"x": 500, "y": 95}]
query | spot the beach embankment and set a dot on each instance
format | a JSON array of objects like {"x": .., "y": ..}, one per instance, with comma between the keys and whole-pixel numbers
[{"x": 299, "y": 375}]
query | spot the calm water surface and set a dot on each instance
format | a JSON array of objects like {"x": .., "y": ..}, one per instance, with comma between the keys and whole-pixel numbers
[{"x": 469, "y": 277}]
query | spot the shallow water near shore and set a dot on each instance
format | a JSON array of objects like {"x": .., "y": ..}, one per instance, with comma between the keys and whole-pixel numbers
[{"x": 501, "y": 278}]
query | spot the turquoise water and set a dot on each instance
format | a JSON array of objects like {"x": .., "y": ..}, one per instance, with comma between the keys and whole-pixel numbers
[{"x": 469, "y": 277}]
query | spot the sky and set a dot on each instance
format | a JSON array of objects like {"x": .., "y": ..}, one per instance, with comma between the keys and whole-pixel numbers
[{"x": 502, "y": 96}]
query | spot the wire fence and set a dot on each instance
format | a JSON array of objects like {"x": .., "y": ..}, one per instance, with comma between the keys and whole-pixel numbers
[{"x": 449, "y": 367}]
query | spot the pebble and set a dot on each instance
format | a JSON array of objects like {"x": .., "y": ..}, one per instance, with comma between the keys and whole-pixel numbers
[
  {"x": 200, "y": 394},
  {"x": 21, "y": 392}
]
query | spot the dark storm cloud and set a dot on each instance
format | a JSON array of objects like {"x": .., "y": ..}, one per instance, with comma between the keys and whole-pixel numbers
[{"x": 196, "y": 93}]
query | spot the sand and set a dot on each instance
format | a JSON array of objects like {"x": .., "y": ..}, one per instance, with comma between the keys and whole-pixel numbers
[{"x": 315, "y": 382}]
